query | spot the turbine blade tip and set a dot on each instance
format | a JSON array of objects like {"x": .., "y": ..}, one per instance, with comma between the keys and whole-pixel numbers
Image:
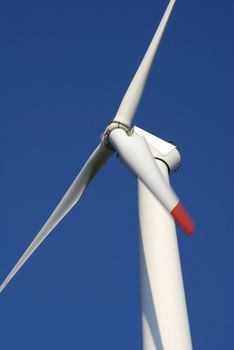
[{"x": 183, "y": 219}]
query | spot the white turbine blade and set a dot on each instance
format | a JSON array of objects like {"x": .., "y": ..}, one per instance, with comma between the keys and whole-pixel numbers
[
  {"x": 72, "y": 196},
  {"x": 133, "y": 95},
  {"x": 136, "y": 155}
]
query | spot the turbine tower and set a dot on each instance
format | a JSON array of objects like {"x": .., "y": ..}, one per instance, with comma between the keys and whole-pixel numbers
[{"x": 165, "y": 324}]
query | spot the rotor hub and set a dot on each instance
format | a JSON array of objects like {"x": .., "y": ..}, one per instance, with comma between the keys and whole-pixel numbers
[{"x": 114, "y": 124}]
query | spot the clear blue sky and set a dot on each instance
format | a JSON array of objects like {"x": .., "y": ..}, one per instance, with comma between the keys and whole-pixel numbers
[{"x": 64, "y": 68}]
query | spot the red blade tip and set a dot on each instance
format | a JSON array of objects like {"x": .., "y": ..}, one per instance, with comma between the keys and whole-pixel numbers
[{"x": 183, "y": 219}]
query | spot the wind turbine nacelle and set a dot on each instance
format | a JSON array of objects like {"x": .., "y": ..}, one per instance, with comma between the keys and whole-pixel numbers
[{"x": 162, "y": 150}]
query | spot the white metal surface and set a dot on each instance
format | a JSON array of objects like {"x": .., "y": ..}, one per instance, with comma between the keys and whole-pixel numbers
[
  {"x": 72, "y": 196},
  {"x": 161, "y": 149},
  {"x": 133, "y": 95},
  {"x": 165, "y": 324},
  {"x": 134, "y": 152},
  {"x": 160, "y": 145}
]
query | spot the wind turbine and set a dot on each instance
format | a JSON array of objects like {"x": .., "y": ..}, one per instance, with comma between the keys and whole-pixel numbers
[{"x": 164, "y": 315}]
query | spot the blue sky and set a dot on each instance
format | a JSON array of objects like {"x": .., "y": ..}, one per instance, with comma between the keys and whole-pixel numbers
[{"x": 65, "y": 66}]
